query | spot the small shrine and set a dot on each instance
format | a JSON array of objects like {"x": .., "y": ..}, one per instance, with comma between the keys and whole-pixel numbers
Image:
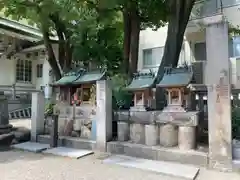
[
  {"x": 142, "y": 86},
  {"x": 175, "y": 81},
  {"x": 77, "y": 102},
  {"x": 177, "y": 124}
]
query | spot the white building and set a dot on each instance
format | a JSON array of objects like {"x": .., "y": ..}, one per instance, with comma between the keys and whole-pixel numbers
[
  {"x": 23, "y": 59},
  {"x": 194, "y": 47}
]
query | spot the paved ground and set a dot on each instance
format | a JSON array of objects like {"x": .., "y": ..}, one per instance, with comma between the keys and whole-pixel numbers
[{"x": 18, "y": 165}]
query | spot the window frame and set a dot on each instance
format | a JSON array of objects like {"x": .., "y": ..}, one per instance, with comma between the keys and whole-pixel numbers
[
  {"x": 153, "y": 61},
  {"x": 23, "y": 71},
  {"x": 39, "y": 70}
]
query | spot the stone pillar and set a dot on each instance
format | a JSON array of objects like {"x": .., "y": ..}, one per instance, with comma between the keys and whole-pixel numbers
[
  {"x": 5, "y": 127},
  {"x": 123, "y": 131},
  {"x": 137, "y": 133},
  {"x": 186, "y": 137},
  {"x": 151, "y": 134},
  {"x": 168, "y": 135},
  {"x": 103, "y": 114},
  {"x": 219, "y": 96},
  {"x": 37, "y": 119}
]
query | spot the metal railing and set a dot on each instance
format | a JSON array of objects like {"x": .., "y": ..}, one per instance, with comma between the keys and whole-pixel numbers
[{"x": 206, "y": 8}]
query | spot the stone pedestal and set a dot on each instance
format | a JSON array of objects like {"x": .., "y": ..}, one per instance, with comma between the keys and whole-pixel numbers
[
  {"x": 168, "y": 135},
  {"x": 137, "y": 133},
  {"x": 103, "y": 114},
  {"x": 186, "y": 137},
  {"x": 123, "y": 131},
  {"x": 151, "y": 135},
  {"x": 219, "y": 95},
  {"x": 37, "y": 119}
]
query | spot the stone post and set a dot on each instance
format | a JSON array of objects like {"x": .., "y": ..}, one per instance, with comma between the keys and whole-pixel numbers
[
  {"x": 5, "y": 127},
  {"x": 37, "y": 119},
  {"x": 219, "y": 96},
  {"x": 103, "y": 114}
]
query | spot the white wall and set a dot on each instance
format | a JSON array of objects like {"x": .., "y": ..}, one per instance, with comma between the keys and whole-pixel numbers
[
  {"x": 7, "y": 70},
  {"x": 153, "y": 39}
]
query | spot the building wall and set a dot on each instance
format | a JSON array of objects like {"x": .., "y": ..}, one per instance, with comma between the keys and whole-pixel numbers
[{"x": 155, "y": 41}]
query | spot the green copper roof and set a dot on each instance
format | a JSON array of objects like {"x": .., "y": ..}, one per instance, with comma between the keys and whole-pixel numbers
[
  {"x": 142, "y": 80},
  {"x": 69, "y": 77},
  {"x": 89, "y": 77},
  {"x": 175, "y": 77}
]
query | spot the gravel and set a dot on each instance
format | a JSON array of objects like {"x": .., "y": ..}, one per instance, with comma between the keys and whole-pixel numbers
[{"x": 19, "y": 165}]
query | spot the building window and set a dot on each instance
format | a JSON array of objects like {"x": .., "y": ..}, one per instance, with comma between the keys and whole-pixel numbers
[
  {"x": 200, "y": 51},
  {"x": 147, "y": 57},
  {"x": 152, "y": 57},
  {"x": 235, "y": 45},
  {"x": 39, "y": 70},
  {"x": 24, "y": 71}
]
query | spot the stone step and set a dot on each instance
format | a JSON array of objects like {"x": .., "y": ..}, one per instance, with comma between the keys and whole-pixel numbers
[
  {"x": 68, "y": 152},
  {"x": 31, "y": 146},
  {"x": 162, "y": 167}
]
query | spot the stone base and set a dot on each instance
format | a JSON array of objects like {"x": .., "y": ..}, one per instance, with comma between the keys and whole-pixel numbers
[
  {"x": 159, "y": 153},
  {"x": 70, "y": 142},
  {"x": 151, "y": 135},
  {"x": 186, "y": 137},
  {"x": 4, "y": 129},
  {"x": 123, "y": 131},
  {"x": 137, "y": 133},
  {"x": 168, "y": 135}
]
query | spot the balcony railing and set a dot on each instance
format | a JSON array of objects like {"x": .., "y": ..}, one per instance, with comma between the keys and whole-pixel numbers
[{"x": 205, "y": 8}]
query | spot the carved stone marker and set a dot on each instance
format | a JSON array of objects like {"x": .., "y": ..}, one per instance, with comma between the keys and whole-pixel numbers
[
  {"x": 37, "y": 119},
  {"x": 219, "y": 96},
  {"x": 103, "y": 114}
]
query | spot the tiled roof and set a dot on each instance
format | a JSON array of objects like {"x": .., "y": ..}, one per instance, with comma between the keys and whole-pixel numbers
[
  {"x": 89, "y": 77},
  {"x": 142, "y": 80},
  {"x": 175, "y": 77}
]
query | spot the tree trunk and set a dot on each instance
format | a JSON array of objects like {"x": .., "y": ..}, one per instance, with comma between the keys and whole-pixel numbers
[
  {"x": 134, "y": 45},
  {"x": 178, "y": 20},
  {"x": 179, "y": 15},
  {"x": 126, "y": 41},
  {"x": 51, "y": 57}
]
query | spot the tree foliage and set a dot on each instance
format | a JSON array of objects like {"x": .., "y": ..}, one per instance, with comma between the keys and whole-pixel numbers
[{"x": 84, "y": 34}]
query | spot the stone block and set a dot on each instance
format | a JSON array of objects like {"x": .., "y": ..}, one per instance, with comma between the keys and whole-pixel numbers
[
  {"x": 68, "y": 128},
  {"x": 137, "y": 133},
  {"x": 151, "y": 135},
  {"x": 115, "y": 147},
  {"x": 186, "y": 137},
  {"x": 85, "y": 132},
  {"x": 123, "y": 131},
  {"x": 139, "y": 150},
  {"x": 168, "y": 135}
]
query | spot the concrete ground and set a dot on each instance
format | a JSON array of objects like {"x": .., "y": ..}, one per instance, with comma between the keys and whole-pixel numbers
[{"x": 18, "y": 165}]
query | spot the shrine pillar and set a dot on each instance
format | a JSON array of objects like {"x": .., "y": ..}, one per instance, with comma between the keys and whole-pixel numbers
[{"x": 219, "y": 94}]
